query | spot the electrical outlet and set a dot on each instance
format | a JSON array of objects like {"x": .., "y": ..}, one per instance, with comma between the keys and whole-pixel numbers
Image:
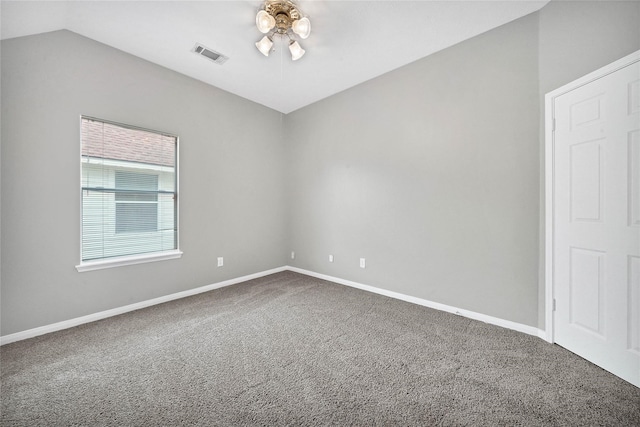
[
  {"x": 293, "y": 255},
  {"x": 220, "y": 261},
  {"x": 362, "y": 263},
  {"x": 330, "y": 258}
]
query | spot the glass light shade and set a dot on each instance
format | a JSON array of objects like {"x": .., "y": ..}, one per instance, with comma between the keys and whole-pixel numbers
[
  {"x": 302, "y": 27},
  {"x": 296, "y": 51},
  {"x": 264, "y": 21},
  {"x": 264, "y": 45}
]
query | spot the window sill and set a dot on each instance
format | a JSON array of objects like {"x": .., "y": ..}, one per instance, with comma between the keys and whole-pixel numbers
[{"x": 128, "y": 260}]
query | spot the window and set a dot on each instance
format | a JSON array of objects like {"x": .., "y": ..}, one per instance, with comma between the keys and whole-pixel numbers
[{"x": 129, "y": 195}]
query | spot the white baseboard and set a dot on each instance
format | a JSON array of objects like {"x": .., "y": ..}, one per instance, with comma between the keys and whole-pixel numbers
[
  {"x": 30, "y": 333},
  {"x": 543, "y": 334},
  {"x": 443, "y": 307}
]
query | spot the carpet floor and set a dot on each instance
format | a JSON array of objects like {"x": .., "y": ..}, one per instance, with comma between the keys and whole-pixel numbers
[{"x": 289, "y": 349}]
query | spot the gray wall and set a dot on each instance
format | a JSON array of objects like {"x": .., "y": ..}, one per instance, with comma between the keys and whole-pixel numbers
[
  {"x": 578, "y": 37},
  {"x": 430, "y": 172},
  {"x": 231, "y": 179}
]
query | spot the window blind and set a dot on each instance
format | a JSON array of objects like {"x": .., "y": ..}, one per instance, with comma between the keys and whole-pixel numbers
[{"x": 129, "y": 199}]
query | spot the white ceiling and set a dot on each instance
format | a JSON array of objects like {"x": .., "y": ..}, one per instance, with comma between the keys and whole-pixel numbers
[{"x": 350, "y": 41}]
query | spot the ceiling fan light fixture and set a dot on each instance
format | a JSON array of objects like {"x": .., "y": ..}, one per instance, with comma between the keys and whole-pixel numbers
[
  {"x": 302, "y": 27},
  {"x": 296, "y": 50},
  {"x": 265, "y": 22},
  {"x": 265, "y": 45},
  {"x": 282, "y": 18}
]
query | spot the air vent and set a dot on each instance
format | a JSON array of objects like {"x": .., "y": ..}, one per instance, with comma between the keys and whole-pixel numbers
[{"x": 212, "y": 55}]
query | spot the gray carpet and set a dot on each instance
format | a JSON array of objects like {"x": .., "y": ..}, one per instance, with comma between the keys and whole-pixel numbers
[{"x": 288, "y": 349}]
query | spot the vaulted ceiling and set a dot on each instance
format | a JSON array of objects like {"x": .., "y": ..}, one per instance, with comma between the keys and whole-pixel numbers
[{"x": 350, "y": 42}]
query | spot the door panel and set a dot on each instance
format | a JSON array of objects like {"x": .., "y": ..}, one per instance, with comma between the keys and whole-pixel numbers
[
  {"x": 634, "y": 178},
  {"x": 586, "y": 186},
  {"x": 586, "y": 291},
  {"x": 633, "y": 315}
]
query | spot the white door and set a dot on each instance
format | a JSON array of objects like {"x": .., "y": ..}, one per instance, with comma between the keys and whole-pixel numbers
[{"x": 596, "y": 221}]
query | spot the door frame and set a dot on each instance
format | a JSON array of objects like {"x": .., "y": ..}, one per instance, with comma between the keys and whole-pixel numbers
[{"x": 549, "y": 168}]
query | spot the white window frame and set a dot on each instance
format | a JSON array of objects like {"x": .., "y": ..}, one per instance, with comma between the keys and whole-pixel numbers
[{"x": 112, "y": 262}]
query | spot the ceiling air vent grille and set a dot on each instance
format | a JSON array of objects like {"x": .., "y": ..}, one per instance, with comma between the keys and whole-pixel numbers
[{"x": 212, "y": 55}]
